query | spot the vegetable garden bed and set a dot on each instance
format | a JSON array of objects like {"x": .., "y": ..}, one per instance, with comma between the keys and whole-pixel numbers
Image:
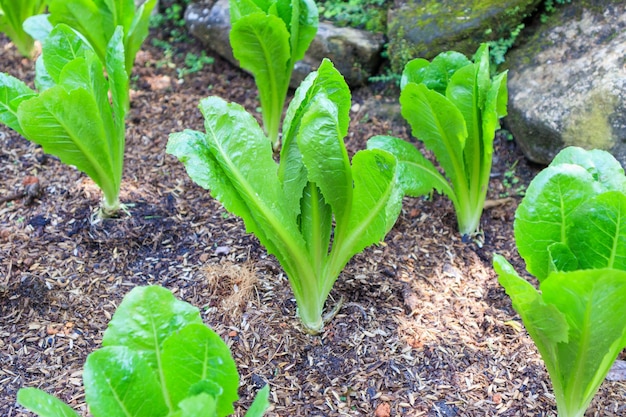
[{"x": 425, "y": 329}]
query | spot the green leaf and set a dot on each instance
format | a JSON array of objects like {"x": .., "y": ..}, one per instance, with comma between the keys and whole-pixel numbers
[
  {"x": 241, "y": 8},
  {"x": 597, "y": 232},
  {"x": 594, "y": 305},
  {"x": 62, "y": 46},
  {"x": 43, "y": 404},
  {"x": 326, "y": 81},
  {"x": 463, "y": 92},
  {"x": 119, "y": 88},
  {"x": 260, "y": 404},
  {"x": 260, "y": 43},
  {"x": 43, "y": 80},
  {"x": 561, "y": 258},
  {"x": 413, "y": 72},
  {"x": 543, "y": 216},
  {"x": 243, "y": 174},
  {"x": 545, "y": 323},
  {"x": 416, "y": 174},
  {"x": 325, "y": 156},
  {"x": 440, "y": 125},
  {"x": 70, "y": 126},
  {"x": 12, "y": 93},
  {"x": 439, "y": 72},
  {"x": 602, "y": 166},
  {"x": 201, "y": 405},
  {"x": 377, "y": 200},
  {"x": 119, "y": 382},
  {"x": 145, "y": 318},
  {"x": 136, "y": 31},
  {"x": 304, "y": 22},
  {"x": 85, "y": 17},
  {"x": 316, "y": 224},
  {"x": 196, "y": 354}
]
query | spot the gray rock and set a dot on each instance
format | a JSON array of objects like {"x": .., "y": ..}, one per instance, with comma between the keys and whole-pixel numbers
[
  {"x": 567, "y": 82},
  {"x": 355, "y": 53},
  {"x": 424, "y": 28}
]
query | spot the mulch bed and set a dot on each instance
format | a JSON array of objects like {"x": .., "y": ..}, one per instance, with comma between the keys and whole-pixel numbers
[{"x": 425, "y": 330}]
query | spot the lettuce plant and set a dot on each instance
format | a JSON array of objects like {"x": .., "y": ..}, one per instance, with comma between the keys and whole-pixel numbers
[
  {"x": 268, "y": 37},
  {"x": 291, "y": 206},
  {"x": 453, "y": 105},
  {"x": 78, "y": 114},
  {"x": 158, "y": 360},
  {"x": 13, "y": 13},
  {"x": 97, "y": 21},
  {"x": 570, "y": 230}
]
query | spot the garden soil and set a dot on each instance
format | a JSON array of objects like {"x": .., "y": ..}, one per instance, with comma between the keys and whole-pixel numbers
[{"x": 425, "y": 329}]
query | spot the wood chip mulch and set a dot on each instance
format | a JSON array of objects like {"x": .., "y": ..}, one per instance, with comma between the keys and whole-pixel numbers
[{"x": 425, "y": 330}]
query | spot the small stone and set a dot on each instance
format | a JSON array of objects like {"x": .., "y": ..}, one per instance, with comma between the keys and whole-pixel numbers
[{"x": 383, "y": 410}]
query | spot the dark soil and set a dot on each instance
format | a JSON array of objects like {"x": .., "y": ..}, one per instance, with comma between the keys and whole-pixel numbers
[{"x": 426, "y": 330}]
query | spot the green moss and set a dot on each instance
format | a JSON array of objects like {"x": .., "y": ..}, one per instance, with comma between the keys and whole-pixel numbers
[
  {"x": 589, "y": 126},
  {"x": 424, "y": 29}
]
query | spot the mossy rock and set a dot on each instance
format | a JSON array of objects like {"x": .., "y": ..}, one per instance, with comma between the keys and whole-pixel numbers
[
  {"x": 423, "y": 29},
  {"x": 566, "y": 81}
]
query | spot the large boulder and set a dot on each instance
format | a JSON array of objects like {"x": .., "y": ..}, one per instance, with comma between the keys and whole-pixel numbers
[
  {"x": 355, "y": 53},
  {"x": 424, "y": 28},
  {"x": 567, "y": 81}
]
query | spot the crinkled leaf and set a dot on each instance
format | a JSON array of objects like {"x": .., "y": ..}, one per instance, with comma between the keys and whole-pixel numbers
[
  {"x": 119, "y": 382},
  {"x": 316, "y": 223},
  {"x": 86, "y": 18},
  {"x": 325, "y": 156},
  {"x": 137, "y": 31},
  {"x": 304, "y": 21},
  {"x": 260, "y": 43},
  {"x": 437, "y": 73},
  {"x": 62, "y": 46},
  {"x": 69, "y": 124},
  {"x": 325, "y": 81},
  {"x": 594, "y": 305},
  {"x": 195, "y": 354},
  {"x": 439, "y": 124},
  {"x": 260, "y": 404},
  {"x": 241, "y": 8},
  {"x": 145, "y": 318},
  {"x": 602, "y": 166},
  {"x": 247, "y": 182},
  {"x": 376, "y": 202},
  {"x": 543, "y": 216},
  {"x": 463, "y": 92},
  {"x": 12, "y": 93},
  {"x": 597, "y": 232},
  {"x": 43, "y": 404},
  {"x": 416, "y": 174}
]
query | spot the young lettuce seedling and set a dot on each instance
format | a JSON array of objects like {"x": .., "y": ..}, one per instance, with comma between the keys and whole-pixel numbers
[
  {"x": 290, "y": 206},
  {"x": 453, "y": 105},
  {"x": 570, "y": 228},
  {"x": 78, "y": 115},
  {"x": 13, "y": 13},
  {"x": 268, "y": 37},
  {"x": 158, "y": 360}
]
